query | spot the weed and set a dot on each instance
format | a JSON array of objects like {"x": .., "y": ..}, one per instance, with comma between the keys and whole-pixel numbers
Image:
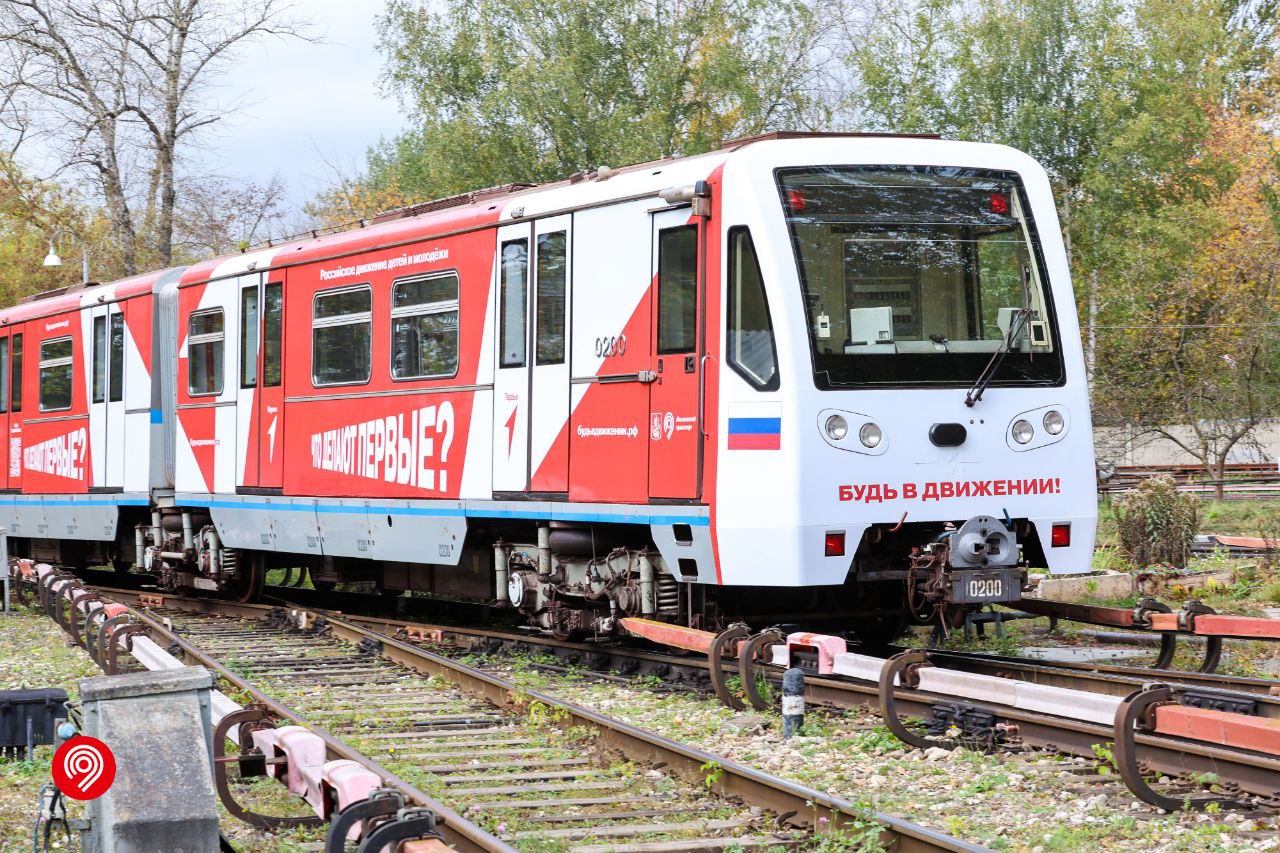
[
  {"x": 1156, "y": 523},
  {"x": 814, "y": 726},
  {"x": 878, "y": 739},
  {"x": 712, "y": 772},
  {"x": 1106, "y": 757}
]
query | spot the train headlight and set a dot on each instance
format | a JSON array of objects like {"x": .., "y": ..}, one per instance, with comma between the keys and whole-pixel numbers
[
  {"x": 1054, "y": 422},
  {"x": 1023, "y": 431},
  {"x": 870, "y": 435},
  {"x": 837, "y": 428}
]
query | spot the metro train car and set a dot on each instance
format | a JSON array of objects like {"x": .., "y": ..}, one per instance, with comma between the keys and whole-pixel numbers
[{"x": 816, "y": 378}]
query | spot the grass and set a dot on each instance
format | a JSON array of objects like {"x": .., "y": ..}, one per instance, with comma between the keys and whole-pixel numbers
[{"x": 34, "y": 652}]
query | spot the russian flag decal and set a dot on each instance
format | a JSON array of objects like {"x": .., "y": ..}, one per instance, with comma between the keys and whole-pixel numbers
[{"x": 755, "y": 427}]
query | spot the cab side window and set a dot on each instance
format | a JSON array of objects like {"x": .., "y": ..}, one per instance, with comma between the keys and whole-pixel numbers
[{"x": 752, "y": 351}]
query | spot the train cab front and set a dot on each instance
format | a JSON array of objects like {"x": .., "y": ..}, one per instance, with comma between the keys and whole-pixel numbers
[{"x": 941, "y": 437}]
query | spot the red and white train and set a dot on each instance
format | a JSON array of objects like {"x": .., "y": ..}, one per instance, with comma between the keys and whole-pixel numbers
[{"x": 805, "y": 377}]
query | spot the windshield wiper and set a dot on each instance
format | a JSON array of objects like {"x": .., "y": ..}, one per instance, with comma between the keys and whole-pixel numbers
[{"x": 1016, "y": 324}]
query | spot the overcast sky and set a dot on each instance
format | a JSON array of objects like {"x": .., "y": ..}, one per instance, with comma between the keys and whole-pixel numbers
[{"x": 304, "y": 104}]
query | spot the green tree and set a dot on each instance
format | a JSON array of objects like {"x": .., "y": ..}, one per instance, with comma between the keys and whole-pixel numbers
[
  {"x": 1111, "y": 96},
  {"x": 515, "y": 90},
  {"x": 32, "y": 214}
]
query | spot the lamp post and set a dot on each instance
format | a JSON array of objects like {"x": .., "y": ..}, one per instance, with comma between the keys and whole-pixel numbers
[{"x": 52, "y": 260}]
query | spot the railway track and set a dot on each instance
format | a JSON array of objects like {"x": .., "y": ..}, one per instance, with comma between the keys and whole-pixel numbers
[
  {"x": 500, "y": 767},
  {"x": 1239, "y": 482},
  {"x": 1250, "y": 779}
]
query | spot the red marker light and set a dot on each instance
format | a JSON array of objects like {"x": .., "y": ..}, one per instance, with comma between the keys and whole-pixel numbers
[
  {"x": 796, "y": 201},
  {"x": 999, "y": 203},
  {"x": 1060, "y": 537},
  {"x": 835, "y": 544}
]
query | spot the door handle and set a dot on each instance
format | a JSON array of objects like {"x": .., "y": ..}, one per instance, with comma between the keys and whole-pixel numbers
[
  {"x": 702, "y": 394},
  {"x": 644, "y": 376}
]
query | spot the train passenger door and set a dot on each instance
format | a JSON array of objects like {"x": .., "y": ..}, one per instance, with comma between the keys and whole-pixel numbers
[
  {"x": 4, "y": 413},
  {"x": 270, "y": 414},
  {"x": 549, "y": 384},
  {"x": 674, "y": 429},
  {"x": 511, "y": 373},
  {"x": 248, "y": 426},
  {"x": 14, "y": 392},
  {"x": 106, "y": 395},
  {"x": 261, "y": 392}
]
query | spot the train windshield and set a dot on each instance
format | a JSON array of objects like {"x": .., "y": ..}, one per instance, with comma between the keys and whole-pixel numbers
[{"x": 918, "y": 276}]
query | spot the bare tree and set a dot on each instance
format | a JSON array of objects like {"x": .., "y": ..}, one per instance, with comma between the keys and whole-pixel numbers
[
  {"x": 119, "y": 89},
  {"x": 217, "y": 217}
]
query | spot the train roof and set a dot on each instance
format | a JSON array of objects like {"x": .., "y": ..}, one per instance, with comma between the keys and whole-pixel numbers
[
  {"x": 487, "y": 207},
  {"x": 78, "y": 296},
  {"x": 435, "y": 218}
]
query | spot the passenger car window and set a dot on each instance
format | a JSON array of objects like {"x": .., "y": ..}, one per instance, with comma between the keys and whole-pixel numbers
[
  {"x": 115, "y": 380},
  {"x": 249, "y": 325},
  {"x": 55, "y": 374},
  {"x": 752, "y": 351},
  {"x": 342, "y": 336},
  {"x": 4, "y": 373},
  {"x": 424, "y": 327},
  {"x": 15, "y": 397},
  {"x": 272, "y": 333},
  {"x": 204, "y": 352},
  {"x": 552, "y": 264},
  {"x": 515, "y": 278},
  {"x": 99, "y": 359}
]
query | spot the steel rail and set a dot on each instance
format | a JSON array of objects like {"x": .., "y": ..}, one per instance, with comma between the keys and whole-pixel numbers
[{"x": 1115, "y": 679}]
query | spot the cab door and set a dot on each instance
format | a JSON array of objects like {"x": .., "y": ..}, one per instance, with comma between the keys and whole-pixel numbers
[
  {"x": 674, "y": 429},
  {"x": 511, "y": 371},
  {"x": 549, "y": 380}
]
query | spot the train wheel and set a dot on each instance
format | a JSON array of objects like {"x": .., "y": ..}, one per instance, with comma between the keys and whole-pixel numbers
[
  {"x": 247, "y": 583},
  {"x": 880, "y": 631},
  {"x": 316, "y": 584}
]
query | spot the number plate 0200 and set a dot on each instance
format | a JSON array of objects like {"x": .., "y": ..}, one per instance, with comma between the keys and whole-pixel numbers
[{"x": 984, "y": 586}]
